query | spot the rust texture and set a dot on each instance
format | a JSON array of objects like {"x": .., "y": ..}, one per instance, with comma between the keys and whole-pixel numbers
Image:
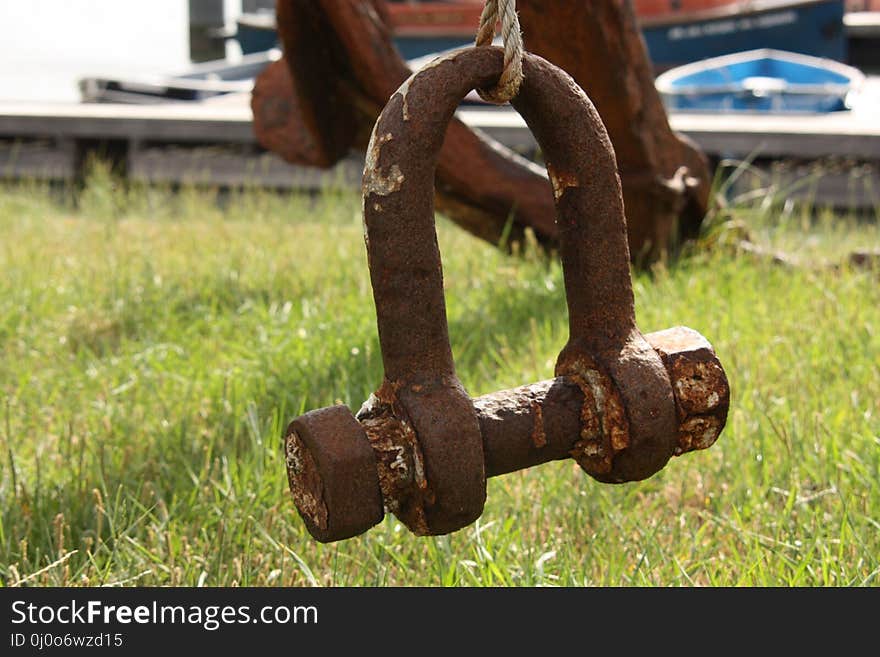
[
  {"x": 621, "y": 405},
  {"x": 604, "y": 429},
  {"x": 507, "y": 422},
  {"x": 399, "y": 460},
  {"x": 605, "y": 349},
  {"x": 299, "y": 114},
  {"x": 332, "y": 474},
  {"x": 539, "y": 435},
  {"x": 507, "y": 417},
  {"x": 666, "y": 178},
  {"x": 479, "y": 181},
  {"x": 305, "y": 481},
  {"x": 702, "y": 392},
  {"x": 342, "y": 67},
  {"x": 407, "y": 280},
  {"x": 280, "y": 124}
]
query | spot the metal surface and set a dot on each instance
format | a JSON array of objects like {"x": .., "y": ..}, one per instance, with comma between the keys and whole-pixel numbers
[
  {"x": 621, "y": 405},
  {"x": 666, "y": 178},
  {"x": 543, "y": 422},
  {"x": 332, "y": 474},
  {"x": 520, "y": 428},
  {"x": 606, "y": 354},
  {"x": 484, "y": 187},
  {"x": 299, "y": 105},
  {"x": 480, "y": 183}
]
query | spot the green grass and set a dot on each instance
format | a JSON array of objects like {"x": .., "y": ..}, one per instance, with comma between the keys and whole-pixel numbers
[{"x": 153, "y": 346}]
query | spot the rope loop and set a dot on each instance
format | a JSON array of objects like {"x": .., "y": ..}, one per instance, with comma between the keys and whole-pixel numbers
[{"x": 512, "y": 77}]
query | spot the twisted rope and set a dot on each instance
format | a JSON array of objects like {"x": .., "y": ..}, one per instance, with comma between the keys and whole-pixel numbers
[{"x": 512, "y": 77}]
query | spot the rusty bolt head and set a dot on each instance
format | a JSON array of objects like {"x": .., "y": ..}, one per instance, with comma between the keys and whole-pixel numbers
[
  {"x": 332, "y": 474},
  {"x": 700, "y": 386}
]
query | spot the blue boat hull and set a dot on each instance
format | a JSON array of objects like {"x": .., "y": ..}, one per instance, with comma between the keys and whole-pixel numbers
[
  {"x": 811, "y": 28},
  {"x": 763, "y": 80},
  {"x": 814, "y": 28},
  {"x": 253, "y": 39},
  {"x": 781, "y": 102}
]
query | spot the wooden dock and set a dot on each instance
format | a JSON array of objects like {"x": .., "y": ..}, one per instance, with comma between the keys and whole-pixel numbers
[{"x": 212, "y": 143}]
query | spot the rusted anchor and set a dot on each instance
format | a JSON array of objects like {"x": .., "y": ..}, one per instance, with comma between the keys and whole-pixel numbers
[{"x": 622, "y": 404}]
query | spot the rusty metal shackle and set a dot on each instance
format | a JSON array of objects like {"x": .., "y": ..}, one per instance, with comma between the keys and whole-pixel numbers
[
  {"x": 420, "y": 447},
  {"x": 620, "y": 374}
]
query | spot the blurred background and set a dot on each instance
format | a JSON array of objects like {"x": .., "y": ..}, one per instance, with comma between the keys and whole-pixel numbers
[
  {"x": 49, "y": 45},
  {"x": 191, "y": 66}
]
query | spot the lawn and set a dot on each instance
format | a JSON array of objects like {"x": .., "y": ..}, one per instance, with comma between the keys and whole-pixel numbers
[{"x": 153, "y": 346}]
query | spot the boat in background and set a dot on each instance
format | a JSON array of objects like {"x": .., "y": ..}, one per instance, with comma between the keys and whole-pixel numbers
[
  {"x": 255, "y": 31},
  {"x": 200, "y": 82},
  {"x": 418, "y": 28},
  {"x": 421, "y": 28},
  {"x": 205, "y": 81},
  {"x": 676, "y": 31},
  {"x": 681, "y": 31},
  {"x": 764, "y": 81}
]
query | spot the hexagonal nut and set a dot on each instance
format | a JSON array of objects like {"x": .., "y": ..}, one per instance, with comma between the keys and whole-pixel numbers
[
  {"x": 332, "y": 474},
  {"x": 700, "y": 386}
]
